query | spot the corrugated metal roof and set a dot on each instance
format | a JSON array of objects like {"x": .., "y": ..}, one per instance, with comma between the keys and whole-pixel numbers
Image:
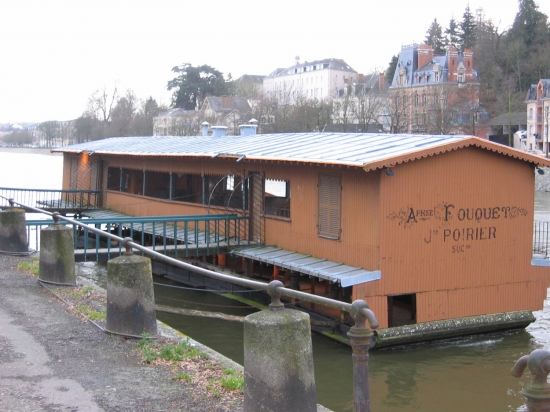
[
  {"x": 367, "y": 150},
  {"x": 308, "y": 265},
  {"x": 352, "y": 149}
]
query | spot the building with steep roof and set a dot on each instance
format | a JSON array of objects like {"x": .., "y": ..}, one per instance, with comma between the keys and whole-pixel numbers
[
  {"x": 435, "y": 93},
  {"x": 319, "y": 79},
  {"x": 538, "y": 115}
]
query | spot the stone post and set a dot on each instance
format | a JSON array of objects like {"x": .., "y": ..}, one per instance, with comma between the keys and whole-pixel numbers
[
  {"x": 278, "y": 360},
  {"x": 537, "y": 392},
  {"x": 13, "y": 234},
  {"x": 57, "y": 264},
  {"x": 130, "y": 296}
]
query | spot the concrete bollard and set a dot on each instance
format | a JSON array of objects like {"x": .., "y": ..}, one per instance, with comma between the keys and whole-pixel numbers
[
  {"x": 13, "y": 234},
  {"x": 537, "y": 392},
  {"x": 57, "y": 264},
  {"x": 278, "y": 361},
  {"x": 130, "y": 296}
]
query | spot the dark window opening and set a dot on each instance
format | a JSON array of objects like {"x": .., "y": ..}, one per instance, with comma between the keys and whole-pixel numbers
[
  {"x": 277, "y": 198},
  {"x": 113, "y": 178},
  {"x": 187, "y": 188},
  {"x": 132, "y": 181},
  {"x": 157, "y": 184},
  {"x": 401, "y": 310}
]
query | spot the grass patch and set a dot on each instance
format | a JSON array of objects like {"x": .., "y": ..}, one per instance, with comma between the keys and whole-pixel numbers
[
  {"x": 90, "y": 313},
  {"x": 183, "y": 376},
  {"x": 29, "y": 266},
  {"x": 152, "y": 351},
  {"x": 232, "y": 380}
]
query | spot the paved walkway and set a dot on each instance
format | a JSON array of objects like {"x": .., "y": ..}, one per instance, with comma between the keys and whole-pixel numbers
[{"x": 51, "y": 361}]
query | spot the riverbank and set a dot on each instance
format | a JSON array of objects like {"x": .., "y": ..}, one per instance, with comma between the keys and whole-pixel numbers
[
  {"x": 35, "y": 150},
  {"x": 52, "y": 359}
]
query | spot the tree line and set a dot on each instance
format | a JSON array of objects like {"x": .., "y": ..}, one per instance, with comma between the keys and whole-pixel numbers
[{"x": 508, "y": 61}]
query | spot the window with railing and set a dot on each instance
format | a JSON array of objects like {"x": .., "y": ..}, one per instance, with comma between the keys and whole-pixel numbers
[
  {"x": 113, "y": 178},
  {"x": 214, "y": 190},
  {"x": 277, "y": 198},
  {"x": 157, "y": 184},
  {"x": 187, "y": 187},
  {"x": 132, "y": 181}
]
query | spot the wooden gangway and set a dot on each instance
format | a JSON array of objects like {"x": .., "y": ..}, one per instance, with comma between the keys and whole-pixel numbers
[{"x": 194, "y": 235}]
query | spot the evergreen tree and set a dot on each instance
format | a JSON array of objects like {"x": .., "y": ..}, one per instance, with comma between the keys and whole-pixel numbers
[
  {"x": 530, "y": 25},
  {"x": 391, "y": 69},
  {"x": 452, "y": 37},
  {"x": 434, "y": 37},
  {"x": 467, "y": 30},
  {"x": 193, "y": 83}
]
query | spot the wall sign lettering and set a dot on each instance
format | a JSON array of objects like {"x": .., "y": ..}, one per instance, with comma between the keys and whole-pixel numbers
[{"x": 457, "y": 226}]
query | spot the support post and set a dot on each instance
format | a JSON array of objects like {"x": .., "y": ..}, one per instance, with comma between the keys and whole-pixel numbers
[
  {"x": 361, "y": 336},
  {"x": 278, "y": 359},
  {"x": 537, "y": 392},
  {"x": 57, "y": 263},
  {"x": 130, "y": 295},
  {"x": 13, "y": 234}
]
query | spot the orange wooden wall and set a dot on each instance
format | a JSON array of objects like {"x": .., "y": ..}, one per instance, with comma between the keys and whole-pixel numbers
[
  {"x": 486, "y": 268},
  {"x": 397, "y": 224}
]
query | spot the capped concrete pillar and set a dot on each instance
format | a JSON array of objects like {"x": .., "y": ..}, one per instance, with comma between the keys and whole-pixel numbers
[
  {"x": 130, "y": 296},
  {"x": 278, "y": 362},
  {"x": 57, "y": 264},
  {"x": 13, "y": 234}
]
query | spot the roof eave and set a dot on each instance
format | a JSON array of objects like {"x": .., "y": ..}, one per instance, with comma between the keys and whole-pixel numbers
[{"x": 449, "y": 147}]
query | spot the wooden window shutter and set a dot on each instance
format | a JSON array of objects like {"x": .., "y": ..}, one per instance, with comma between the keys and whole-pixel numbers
[{"x": 329, "y": 206}]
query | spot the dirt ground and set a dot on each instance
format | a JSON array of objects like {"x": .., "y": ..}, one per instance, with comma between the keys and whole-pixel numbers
[{"x": 52, "y": 359}]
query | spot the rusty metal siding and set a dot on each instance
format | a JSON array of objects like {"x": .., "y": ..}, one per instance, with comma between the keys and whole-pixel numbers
[
  {"x": 496, "y": 299},
  {"x": 431, "y": 239},
  {"x": 428, "y": 240},
  {"x": 358, "y": 243}
]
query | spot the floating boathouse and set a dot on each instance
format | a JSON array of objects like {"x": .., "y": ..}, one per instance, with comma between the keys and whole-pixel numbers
[{"x": 428, "y": 229}]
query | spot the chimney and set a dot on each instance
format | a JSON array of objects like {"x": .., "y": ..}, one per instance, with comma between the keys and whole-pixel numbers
[
  {"x": 247, "y": 129},
  {"x": 425, "y": 55},
  {"x": 468, "y": 62},
  {"x": 381, "y": 81},
  {"x": 219, "y": 131},
  {"x": 204, "y": 128},
  {"x": 452, "y": 64}
]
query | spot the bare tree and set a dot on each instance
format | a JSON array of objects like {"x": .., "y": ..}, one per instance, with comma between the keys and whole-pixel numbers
[
  {"x": 396, "y": 108},
  {"x": 101, "y": 104},
  {"x": 366, "y": 108}
]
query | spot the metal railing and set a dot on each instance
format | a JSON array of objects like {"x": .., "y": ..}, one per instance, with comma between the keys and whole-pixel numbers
[
  {"x": 360, "y": 334},
  {"x": 178, "y": 236},
  {"x": 541, "y": 238},
  {"x": 51, "y": 199}
]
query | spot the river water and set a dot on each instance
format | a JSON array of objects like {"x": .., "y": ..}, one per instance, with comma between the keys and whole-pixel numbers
[{"x": 471, "y": 374}]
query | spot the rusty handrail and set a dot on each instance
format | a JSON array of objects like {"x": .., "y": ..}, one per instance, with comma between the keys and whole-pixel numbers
[{"x": 360, "y": 334}]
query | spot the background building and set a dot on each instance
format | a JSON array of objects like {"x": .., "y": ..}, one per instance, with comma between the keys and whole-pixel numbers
[
  {"x": 434, "y": 93},
  {"x": 538, "y": 115},
  {"x": 319, "y": 79}
]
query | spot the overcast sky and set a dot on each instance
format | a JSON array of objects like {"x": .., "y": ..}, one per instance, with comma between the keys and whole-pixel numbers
[{"x": 56, "y": 53}]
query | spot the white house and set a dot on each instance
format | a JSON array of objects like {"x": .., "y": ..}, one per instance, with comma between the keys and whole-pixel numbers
[{"x": 319, "y": 79}]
